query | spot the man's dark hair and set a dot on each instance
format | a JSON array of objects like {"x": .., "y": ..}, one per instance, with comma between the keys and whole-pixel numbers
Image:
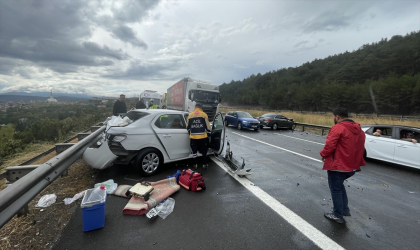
[
  {"x": 342, "y": 112},
  {"x": 198, "y": 105}
]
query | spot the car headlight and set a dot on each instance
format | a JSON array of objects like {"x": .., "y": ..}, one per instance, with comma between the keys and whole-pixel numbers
[
  {"x": 119, "y": 138},
  {"x": 245, "y": 122}
]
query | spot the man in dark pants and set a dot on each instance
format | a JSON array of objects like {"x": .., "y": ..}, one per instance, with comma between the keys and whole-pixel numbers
[
  {"x": 198, "y": 125},
  {"x": 119, "y": 106},
  {"x": 342, "y": 156}
]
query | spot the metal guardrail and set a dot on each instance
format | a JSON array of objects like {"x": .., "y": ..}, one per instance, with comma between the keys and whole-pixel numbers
[
  {"x": 20, "y": 193},
  {"x": 323, "y": 128}
]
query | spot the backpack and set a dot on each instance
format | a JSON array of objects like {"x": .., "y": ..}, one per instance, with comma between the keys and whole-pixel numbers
[{"x": 191, "y": 180}]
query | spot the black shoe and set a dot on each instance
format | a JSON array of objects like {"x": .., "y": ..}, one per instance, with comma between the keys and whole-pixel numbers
[
  {"x": 332, "y": 217},
  {"x": 195, "y": 166},
  {"x": 205, "y": 166},
  {"x": 346, "y": 214}
]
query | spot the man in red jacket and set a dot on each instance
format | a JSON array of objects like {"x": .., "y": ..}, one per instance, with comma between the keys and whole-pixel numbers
[{"x": 342, "y": 156}]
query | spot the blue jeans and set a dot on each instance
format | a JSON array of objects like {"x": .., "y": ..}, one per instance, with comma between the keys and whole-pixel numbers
[{"x": 338, "y": 191}]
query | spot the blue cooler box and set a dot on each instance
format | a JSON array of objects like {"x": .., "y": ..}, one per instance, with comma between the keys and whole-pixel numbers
[{"x": 93, "y": 213}]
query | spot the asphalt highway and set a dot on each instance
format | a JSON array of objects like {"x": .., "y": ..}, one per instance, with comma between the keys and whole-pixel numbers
[{"x": 279, "y": 206}]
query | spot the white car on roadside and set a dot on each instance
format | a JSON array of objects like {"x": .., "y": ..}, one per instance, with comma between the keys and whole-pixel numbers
[
  {"x": 148, "y": 138},
  {"x": 392, "y": 145}
]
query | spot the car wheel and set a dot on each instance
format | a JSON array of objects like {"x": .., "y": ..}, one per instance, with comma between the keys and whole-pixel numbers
[
  {"x": 274, "y": 127},
  {"x": 239, "y": 125},
  {"x": 255, "y": 129},
  {"x": 148, "y": 161},
  {"x": 293, "y": 127},
  {"x": 261, "y": 126}
]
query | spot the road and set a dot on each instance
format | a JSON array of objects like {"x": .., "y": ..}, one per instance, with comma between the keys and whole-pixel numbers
[{"x": 280, "y": 206}]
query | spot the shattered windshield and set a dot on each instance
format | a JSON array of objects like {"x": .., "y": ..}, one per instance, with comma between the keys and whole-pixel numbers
[
  {"x": 205, "y": 96},
  {"x": 244, "y": 115}
]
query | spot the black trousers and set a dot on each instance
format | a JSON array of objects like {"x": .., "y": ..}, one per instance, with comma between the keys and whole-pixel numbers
[{"x": 202, "y": 145}]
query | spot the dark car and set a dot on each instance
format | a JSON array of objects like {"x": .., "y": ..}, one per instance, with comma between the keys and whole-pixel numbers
[
  {"x": 241, "y": 119},
  {"x": 276, "y": 121}
]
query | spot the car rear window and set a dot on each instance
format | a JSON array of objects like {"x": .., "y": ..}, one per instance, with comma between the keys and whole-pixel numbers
[{"x": 268, "y": 115}]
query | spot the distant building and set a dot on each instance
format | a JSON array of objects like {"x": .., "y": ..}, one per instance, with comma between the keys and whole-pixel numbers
[{"x": 51, "y": 99}]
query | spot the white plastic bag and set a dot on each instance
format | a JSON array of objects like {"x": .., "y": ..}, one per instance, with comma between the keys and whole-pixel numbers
[
  {"x": 68, "y": 201},
  {"x": 46, "y": 200},
  {"x": 166, "y": 208},
  {"x": 109, "y": 184}
]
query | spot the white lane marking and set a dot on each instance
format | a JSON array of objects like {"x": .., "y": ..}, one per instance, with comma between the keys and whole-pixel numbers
[
  {"x": 278, "y": 147},
  {"x": 300, "y": 139},
  {"x": 313, "y": 234}
]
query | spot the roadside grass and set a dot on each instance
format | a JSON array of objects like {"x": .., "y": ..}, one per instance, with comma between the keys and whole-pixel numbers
[{"x": 327, "y": 119}]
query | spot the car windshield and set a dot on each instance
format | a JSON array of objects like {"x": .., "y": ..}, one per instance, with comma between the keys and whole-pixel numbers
[
  {"x": 244, "y": 115},
  {"x": 205, "y": 96}
]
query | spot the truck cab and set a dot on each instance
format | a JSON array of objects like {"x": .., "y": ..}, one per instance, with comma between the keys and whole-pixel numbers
[{"x": 206, "y": 94}]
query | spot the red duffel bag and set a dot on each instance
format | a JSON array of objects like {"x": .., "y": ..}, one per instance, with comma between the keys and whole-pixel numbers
[{"x": 191, "y": 180}]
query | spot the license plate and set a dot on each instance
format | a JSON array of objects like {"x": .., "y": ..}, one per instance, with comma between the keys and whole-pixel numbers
[{"x": 254, "y": 126}]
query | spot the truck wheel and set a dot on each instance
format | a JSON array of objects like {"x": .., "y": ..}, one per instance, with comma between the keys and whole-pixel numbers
[
  {"x": 239, "y": 125},
  {"x": 148, "y": 161},
  {"x": 275, "y": 127}
]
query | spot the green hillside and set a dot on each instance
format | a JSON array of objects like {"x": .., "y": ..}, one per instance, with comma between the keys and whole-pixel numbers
[{"x": 391, "y": 67}]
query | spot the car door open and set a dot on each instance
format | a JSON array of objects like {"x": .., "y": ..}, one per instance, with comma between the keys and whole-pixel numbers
[{"x": 217, "y": 136}]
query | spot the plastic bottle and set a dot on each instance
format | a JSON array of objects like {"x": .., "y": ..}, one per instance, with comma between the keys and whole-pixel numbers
[{"x": 97, "y": 194}]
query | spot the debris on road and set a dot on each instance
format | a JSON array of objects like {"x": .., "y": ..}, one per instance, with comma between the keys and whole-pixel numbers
[
  {"x": 233, "y": 165},
  {"x": 109, "y": 184},
  {"x": 68, "y": 201},
  {"x": 46, "y": 200}
]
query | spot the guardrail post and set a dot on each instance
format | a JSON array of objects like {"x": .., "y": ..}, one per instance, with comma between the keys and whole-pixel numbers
[
  {"x": 303, "y": 128},
  {"x": 65, "y": 173},
  {"x": 81, "y": 136},
  {"x": 322, "y": 133},
  {"x": 24, "y": 211}
]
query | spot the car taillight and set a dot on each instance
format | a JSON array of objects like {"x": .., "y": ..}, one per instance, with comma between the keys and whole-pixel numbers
[{"x": 268, "y": 120}]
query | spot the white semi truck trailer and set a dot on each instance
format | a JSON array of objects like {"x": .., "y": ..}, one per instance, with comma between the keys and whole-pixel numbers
[{"x": 184, "y": 94}]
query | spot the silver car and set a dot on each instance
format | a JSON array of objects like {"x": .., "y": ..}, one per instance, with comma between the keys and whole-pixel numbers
[{"x": 149, "y": 138}]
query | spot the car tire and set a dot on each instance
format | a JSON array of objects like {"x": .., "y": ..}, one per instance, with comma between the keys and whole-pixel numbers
[
  {"x": 255, "y": 129},
  {"x": 293, "y": 127},
  {"x": 275, "y": 126},
  {"x": 148, "y": 161},
  {"x": 261, "y": 126},
  {"x": 239, "y": 125}
]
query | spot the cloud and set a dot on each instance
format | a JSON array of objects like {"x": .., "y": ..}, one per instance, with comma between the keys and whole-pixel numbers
[
  {"x": 301, "y": 43},
  {"x": 55, "y": 34},
  {"x": 327, "y": 21}
]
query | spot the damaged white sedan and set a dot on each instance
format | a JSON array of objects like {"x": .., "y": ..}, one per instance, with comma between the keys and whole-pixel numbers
[{"x": 148, "y": 138}]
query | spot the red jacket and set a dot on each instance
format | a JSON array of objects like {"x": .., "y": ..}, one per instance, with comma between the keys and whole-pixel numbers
[{"x": 344, "y": 147}]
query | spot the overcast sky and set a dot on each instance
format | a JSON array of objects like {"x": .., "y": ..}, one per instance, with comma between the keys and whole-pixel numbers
[{"x": 112, "y": 47}]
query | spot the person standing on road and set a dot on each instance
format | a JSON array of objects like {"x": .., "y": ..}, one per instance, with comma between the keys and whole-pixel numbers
[
  {"x": 151, "y": 105},
  {"x": 119, "y": 106},
  {"x": 140, "y": 104},
  {"x": 342, "y": 156},
  {"x": 198, "y": 125}
]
